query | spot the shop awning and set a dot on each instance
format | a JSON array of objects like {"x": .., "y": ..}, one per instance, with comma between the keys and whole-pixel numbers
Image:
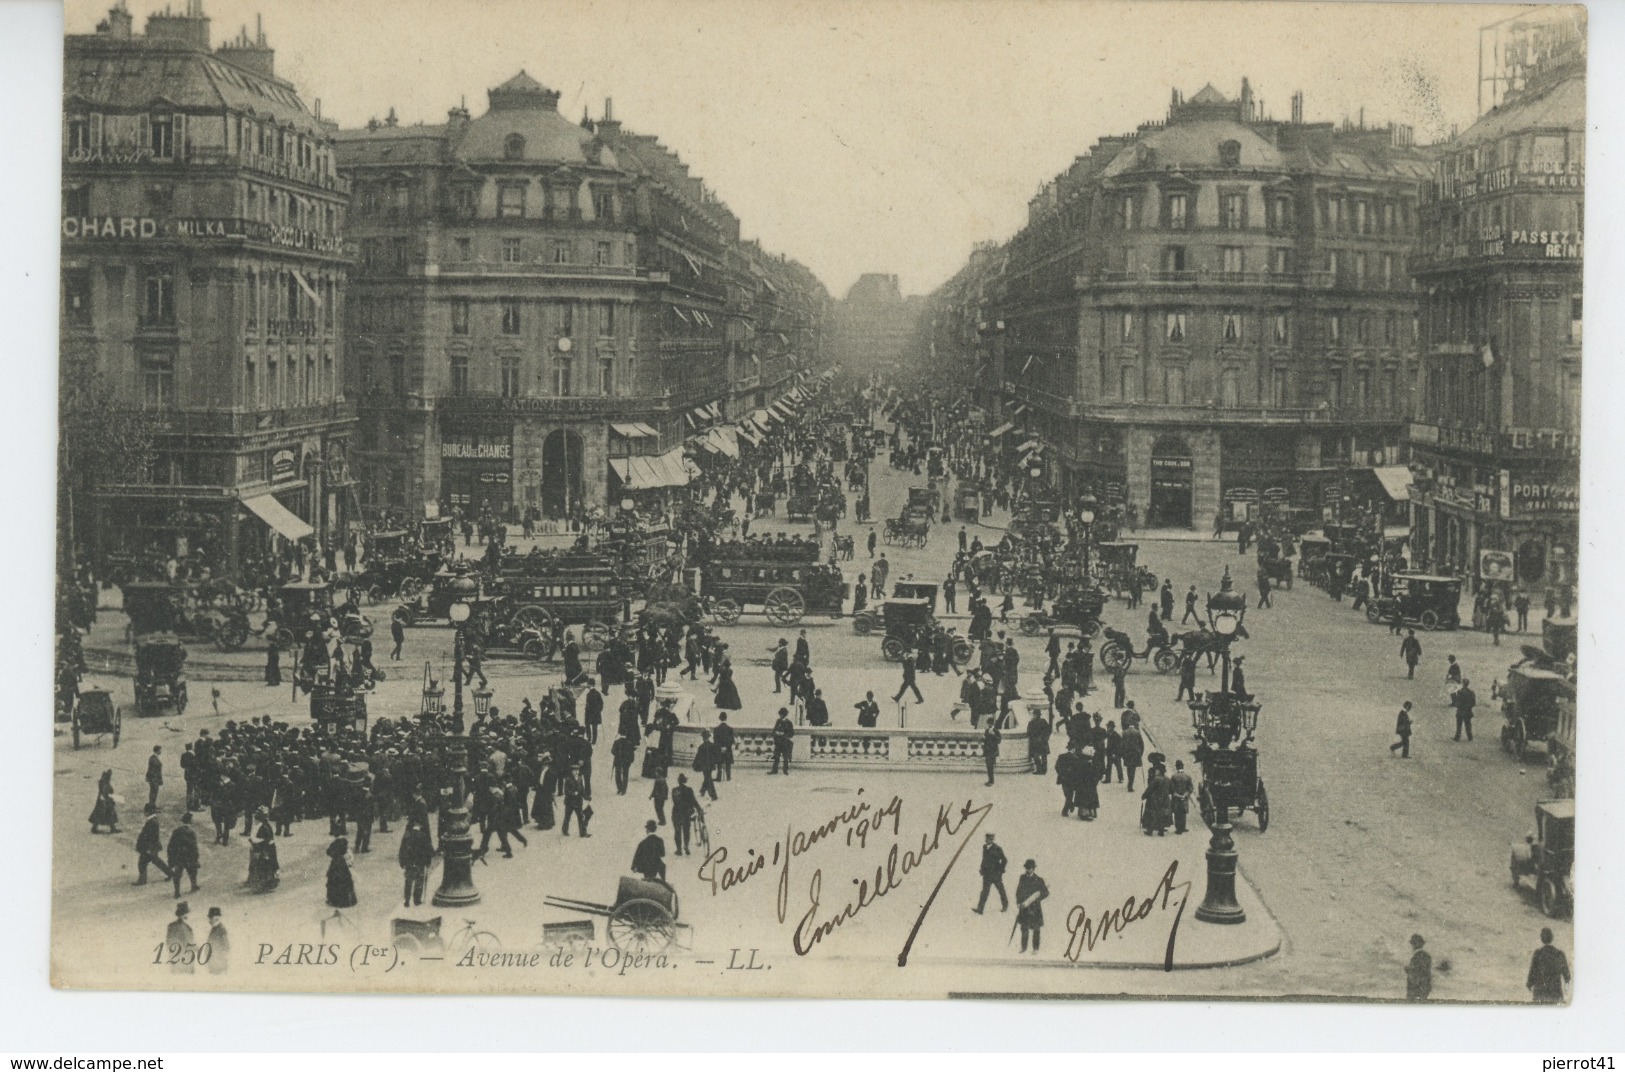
[
  {"x": 652, "y": 471},
  {"x": 632, "y": 430},
  {"x": 1000, "y": 430},
  {"x": 1031, "y": 445},
  {"x": 779, "y": 410},
  {"x": 724, "y": 441},
  {"x": 1395, "y": 480},
  {"x": 750, "y": 436},
  {"x": 762, "y": 417},
  {"x": 279, "y": 517},
  {"x": 713, "y": 410}
]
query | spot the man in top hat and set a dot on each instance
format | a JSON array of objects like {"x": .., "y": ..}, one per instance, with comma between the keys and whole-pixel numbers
[
  {"x": 180, "y": 945},
  {"x": 147, "y": 846},
  {"x": 1419, "y": 972}
]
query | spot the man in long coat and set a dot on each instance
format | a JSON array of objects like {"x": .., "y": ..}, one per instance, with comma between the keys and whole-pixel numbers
[{"x": 1030, "y": 893}]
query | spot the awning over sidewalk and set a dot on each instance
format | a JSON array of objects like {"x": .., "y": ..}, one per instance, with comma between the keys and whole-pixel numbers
[
  {"x": 750, "y": 435},
  {"x": 279, "y": 517},
  {"x": 653, "y": 471},
  {"x": 722, "y": 441},
  {"x": 1395, "y": 480},
  {"x": 632, "y": 430}
]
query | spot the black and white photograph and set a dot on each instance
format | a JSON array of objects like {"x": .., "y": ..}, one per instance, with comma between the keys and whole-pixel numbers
[{"x": 819, "y": 500}]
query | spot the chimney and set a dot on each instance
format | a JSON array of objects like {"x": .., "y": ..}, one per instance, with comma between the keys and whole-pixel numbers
[
  {"x": 119, "y": 24},
  {"x": 190, "y": 29},
  {"x": 1246, "y": 100},
  {"x": 609, "y": 124},
  {"x": 391, "y": 120},
  {"x": 457, "y": 118},
  {"x": 251, "y": 54},
  {"x": 1297, "y": 107}
]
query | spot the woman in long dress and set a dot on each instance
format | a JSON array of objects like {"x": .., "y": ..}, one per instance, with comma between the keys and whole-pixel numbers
[
  {"x": 1089, "y": 786},
  {"x": 263, "y": 865},
  {"x": 105, "y": 812},
  {"x": 340, "y": 883},
  {"x": 727, "y": 697},
  {"x": 1157, "y": 809}
]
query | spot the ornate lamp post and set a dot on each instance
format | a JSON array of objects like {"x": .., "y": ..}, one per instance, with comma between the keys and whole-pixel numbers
[
  {"x": 456, "y": 839},
  {"x": 1225, "y": 610}
]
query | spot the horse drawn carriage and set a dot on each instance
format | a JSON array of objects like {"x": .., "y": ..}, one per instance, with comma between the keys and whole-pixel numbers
[
  {"x": 395, "y": 569},
  {"x": 968, "y": 503},
  {"x": 1230, "y": 775},
  {"x": 305, "y": 608},
  {"x": 785, "y": 588},
  {"x": 1119, "y": 569},
  {"x": 190, "y": 612},
  {"x": 907, "y": 531},
  {"x": 160, "y": 680}
]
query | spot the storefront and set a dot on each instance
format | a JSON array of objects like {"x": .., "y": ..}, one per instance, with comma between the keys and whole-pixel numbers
[{"x": 476, "y": 470}]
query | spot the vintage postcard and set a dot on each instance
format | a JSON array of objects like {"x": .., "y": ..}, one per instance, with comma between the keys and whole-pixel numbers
[{"x": 820, "y": 499}]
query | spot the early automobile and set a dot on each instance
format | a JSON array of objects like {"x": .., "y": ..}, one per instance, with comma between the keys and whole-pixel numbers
[
  {"x": 1077, "y": 607},
  {"x": 968, "y": 503},
  {"x": 1431, "y": 602},
  {"x": 1530, "y": 702},
  {"x": 160, "y": 683},
  {"x": 95, "y": 715},
  {"x": 909, "y": 626},
  {"x": 1547, "y": 856}
]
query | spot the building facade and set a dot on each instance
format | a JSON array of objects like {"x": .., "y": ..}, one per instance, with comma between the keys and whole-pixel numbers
[
  {"x": 539, "y": 302},
  {"x": 1217, "y": 309},
  {"x": 203, "y": 271},
  {"x": 875, "y": 326},
  {"x": 1497, "y": 440}
]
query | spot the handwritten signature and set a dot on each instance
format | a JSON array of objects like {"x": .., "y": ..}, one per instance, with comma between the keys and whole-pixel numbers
[
  {"x": 889, "y": 876},
  {"x": 861, "y": 823},
  {"x": 1085, "y": 932}
]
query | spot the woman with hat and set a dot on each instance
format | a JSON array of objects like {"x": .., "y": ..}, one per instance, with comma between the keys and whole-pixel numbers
[
  {"x": 727, "y": 693},
  {"x": 340, "y": 883},
  {"x": 1157, "y": 803},
  {"x": 105, "y": 811},
  {"x": 263, "y": 864}
]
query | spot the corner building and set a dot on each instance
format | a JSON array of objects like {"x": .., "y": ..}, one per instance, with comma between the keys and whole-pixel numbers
[
  {"x": 203, "y": 273},
  {"x": 1217, "y": 309},
  {"x": 539, "y": 303},
  {"x": 1497, "y": 444}
]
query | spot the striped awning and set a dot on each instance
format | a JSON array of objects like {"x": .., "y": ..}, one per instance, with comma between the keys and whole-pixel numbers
[{"x": 652, "y": 471}]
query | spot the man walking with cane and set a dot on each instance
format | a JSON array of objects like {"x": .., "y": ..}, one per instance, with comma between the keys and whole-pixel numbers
[{"x": 1030, "y": 893}]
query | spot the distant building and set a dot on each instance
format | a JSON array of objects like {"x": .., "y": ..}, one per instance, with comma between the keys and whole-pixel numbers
[
  {"x": 1215, "y": 310},
  {"x": 874, "y": 326},
  {"x": 1497, "y": 440},
  {"x": 203, "y": 277},
  {"x": 544, "y": 311}
]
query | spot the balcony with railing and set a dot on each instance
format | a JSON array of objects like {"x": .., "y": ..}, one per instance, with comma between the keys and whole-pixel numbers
[
  {"x": 1312, "y": 280},
  {"x": 540, "y": 269},
  {"x": 239, "y": 423}
]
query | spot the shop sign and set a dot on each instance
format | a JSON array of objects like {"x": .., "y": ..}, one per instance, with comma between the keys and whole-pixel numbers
[
  {"x": 109, "y": 227},
  {"x": 494, "y": 478},
  {"x": 474, "y": 449},
  {"x": 1538, "y": 497},
  {"x": 1495, "y": 565},
  {"x": 1171, "y": 463},
  {"x": 284, "y": 465},
  {"x": 1553, "y": 245}
]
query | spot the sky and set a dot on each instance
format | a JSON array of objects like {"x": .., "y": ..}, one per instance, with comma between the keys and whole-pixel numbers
[{"x": 877, "y": 136}]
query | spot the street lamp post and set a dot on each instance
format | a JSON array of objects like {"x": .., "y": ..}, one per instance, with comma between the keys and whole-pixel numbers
[
  {"x": 456, "y": 839},
  {"x": 1225, "y": 610}
]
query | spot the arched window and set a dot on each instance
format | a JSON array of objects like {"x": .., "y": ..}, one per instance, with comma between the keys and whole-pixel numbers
[{"x": 514, "y": 147}]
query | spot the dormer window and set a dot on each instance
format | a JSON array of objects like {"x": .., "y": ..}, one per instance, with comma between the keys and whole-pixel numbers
[
  {"x": 513, "y": 147},
  {"x": 1230, "y": 154}
]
